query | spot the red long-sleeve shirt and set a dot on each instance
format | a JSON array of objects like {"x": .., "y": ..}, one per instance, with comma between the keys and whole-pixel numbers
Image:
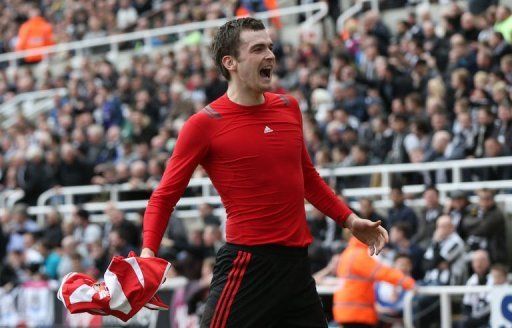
[{"x": 257, "y": 161}]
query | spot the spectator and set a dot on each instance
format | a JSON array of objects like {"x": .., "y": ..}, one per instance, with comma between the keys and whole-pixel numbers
[
  {"x": 31, "y": 254},
  {"x": 444, "y": 265},
  {"x": 359, "y": 156},
  {"x": 207, "y": 216},
  {"x": 374, "y": 26},
  {"x": 390, "y": 298},
  {"x": 19, "y": 223},
  {"x": 464, "y": 135},
  {"x": 391, "y": 82},
  {"x": 401, "y": 212},
  {"x": 499, "y": 47},
  {"x": 96, "y": 151},
  {"x": 398, "y": 152},
  {"x": 487, "y": 230},
  {"x": 85, "y": 231},
  {"x": 419, "y": 136},
  {"x": 72, "y": 170},
  {"x": 503, "y": 131},
  {"x": 493, "y": 148},
  {"x": 30, "y": 178},
  {"x": 51, "y": 259},
  {"x": 499, "y": 274},
  {"x": 127, "y": 231},
  {"x": 444, "y": 257},
  {"x": 461, "y": 211},
  {"x": 126, "y": 15},
  {"x": 477, "y": 7},
  {"x": 485, "y": 130},
  {"x": 68, "y": 250},
  {"x": 427, "y": 221},
  {"x": 52, "y": 233},
  {"x": 438, "y": 153},
  {"x": 400, "y": 243},
  {"x": 504, "y": 22},
  {"x": 367, "y": 211},
  {"x": 476, "y": 308},
  {"x": 380, "y": 138},
  {"x": 35, "y": 33},
  {"x": 118, "y": 245}
]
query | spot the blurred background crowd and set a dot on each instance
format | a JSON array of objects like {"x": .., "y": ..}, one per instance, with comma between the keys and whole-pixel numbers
[{"x": 431, "y": 88}]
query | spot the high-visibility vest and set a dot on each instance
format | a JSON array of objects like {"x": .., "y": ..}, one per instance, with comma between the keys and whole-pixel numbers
[
  {"x": 34, "y": 33},
  {"x": 354, "y": 302}
]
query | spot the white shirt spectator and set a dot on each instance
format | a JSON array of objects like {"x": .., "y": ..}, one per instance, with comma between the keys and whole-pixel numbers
[
  {"x": 479, "y": 302},
  {"x": 125, "y": 17}
]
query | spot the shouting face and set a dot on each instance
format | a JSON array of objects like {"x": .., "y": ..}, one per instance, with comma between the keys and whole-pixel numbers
[{"x": 254, "y": 65}]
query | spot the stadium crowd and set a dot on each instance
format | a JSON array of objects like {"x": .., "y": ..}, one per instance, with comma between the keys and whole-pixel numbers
[{"x": 437, "y": 89}]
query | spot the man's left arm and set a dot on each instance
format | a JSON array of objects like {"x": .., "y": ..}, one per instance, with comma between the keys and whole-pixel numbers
[{"x": 320, "y": 195}]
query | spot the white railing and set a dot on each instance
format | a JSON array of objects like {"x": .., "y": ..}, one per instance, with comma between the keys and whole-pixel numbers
[
  {"x": 28, "y": 104},
  {"x": 209, "y": 195},
  {"x": 134, "y": 205},
  {"x": 9, "y": 197},
  {"x": 386, "y": 171},
  {"x": 505, "y": 200},
  {"x": 444, "y": 293},
  {"x": 354, "y": 10},
  {"x": 113, "y": 41}
]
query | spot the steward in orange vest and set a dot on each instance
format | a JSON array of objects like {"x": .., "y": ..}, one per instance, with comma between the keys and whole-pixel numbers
[
  {"x": 34, "y": 33},
  {"x": 354, "y": 302}
]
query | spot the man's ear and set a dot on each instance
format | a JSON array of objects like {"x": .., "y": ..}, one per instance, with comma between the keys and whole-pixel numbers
[{"x": 229, "y": 63}]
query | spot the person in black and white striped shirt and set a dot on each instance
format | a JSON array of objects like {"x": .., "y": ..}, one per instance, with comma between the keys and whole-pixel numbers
[
  {"x": 444, "y": 262},
  {"x": 476, "y": 307},
  {"x": 444, "y": 257}
]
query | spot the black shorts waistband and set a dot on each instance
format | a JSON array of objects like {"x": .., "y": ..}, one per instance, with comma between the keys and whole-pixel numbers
[{"x": 270, "y": 249}]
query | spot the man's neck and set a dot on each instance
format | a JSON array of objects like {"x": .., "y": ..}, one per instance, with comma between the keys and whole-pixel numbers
[{"x": 244, "y": 96}]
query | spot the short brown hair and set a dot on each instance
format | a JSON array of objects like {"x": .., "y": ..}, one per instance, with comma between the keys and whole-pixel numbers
[{"x": 227, "y": 40}]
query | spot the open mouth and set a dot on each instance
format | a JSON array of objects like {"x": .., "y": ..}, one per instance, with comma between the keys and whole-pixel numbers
[{"x": 266, "y": 72}]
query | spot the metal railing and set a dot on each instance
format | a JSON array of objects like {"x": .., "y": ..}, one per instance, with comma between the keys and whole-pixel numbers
[
  {"x": 354, "y": 10},
  {"x": 9, "y": 197},
  {"x": 209, "y": 195},
  {"x": 444, "y": 292},
  {"x": 455, "y": 166},
  {"x": 114, "y": 41},
  {"x": 28, "y": 104}
]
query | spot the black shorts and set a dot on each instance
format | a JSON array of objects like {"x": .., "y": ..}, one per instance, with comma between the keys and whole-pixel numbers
[{"x": 263, "y": 286}]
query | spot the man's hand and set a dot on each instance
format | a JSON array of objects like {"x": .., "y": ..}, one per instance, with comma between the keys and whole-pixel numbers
[
  {"x": 146, "y": 252},
  {"x": 370, "y": 233}
]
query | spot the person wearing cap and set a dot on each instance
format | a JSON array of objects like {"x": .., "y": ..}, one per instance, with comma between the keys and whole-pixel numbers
[
  {"x": 487, "y": 229},
  {"x": 460, "y": 210}
]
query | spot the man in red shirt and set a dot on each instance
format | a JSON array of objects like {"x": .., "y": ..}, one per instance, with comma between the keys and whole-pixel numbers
[{"x": 250, "y": 142}]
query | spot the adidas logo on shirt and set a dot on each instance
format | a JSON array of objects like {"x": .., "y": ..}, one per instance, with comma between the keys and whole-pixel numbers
[{"x": 267, "y": 129}]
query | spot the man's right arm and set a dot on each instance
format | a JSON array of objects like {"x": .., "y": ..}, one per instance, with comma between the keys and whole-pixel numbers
[{"x": 191, "y": 147}]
